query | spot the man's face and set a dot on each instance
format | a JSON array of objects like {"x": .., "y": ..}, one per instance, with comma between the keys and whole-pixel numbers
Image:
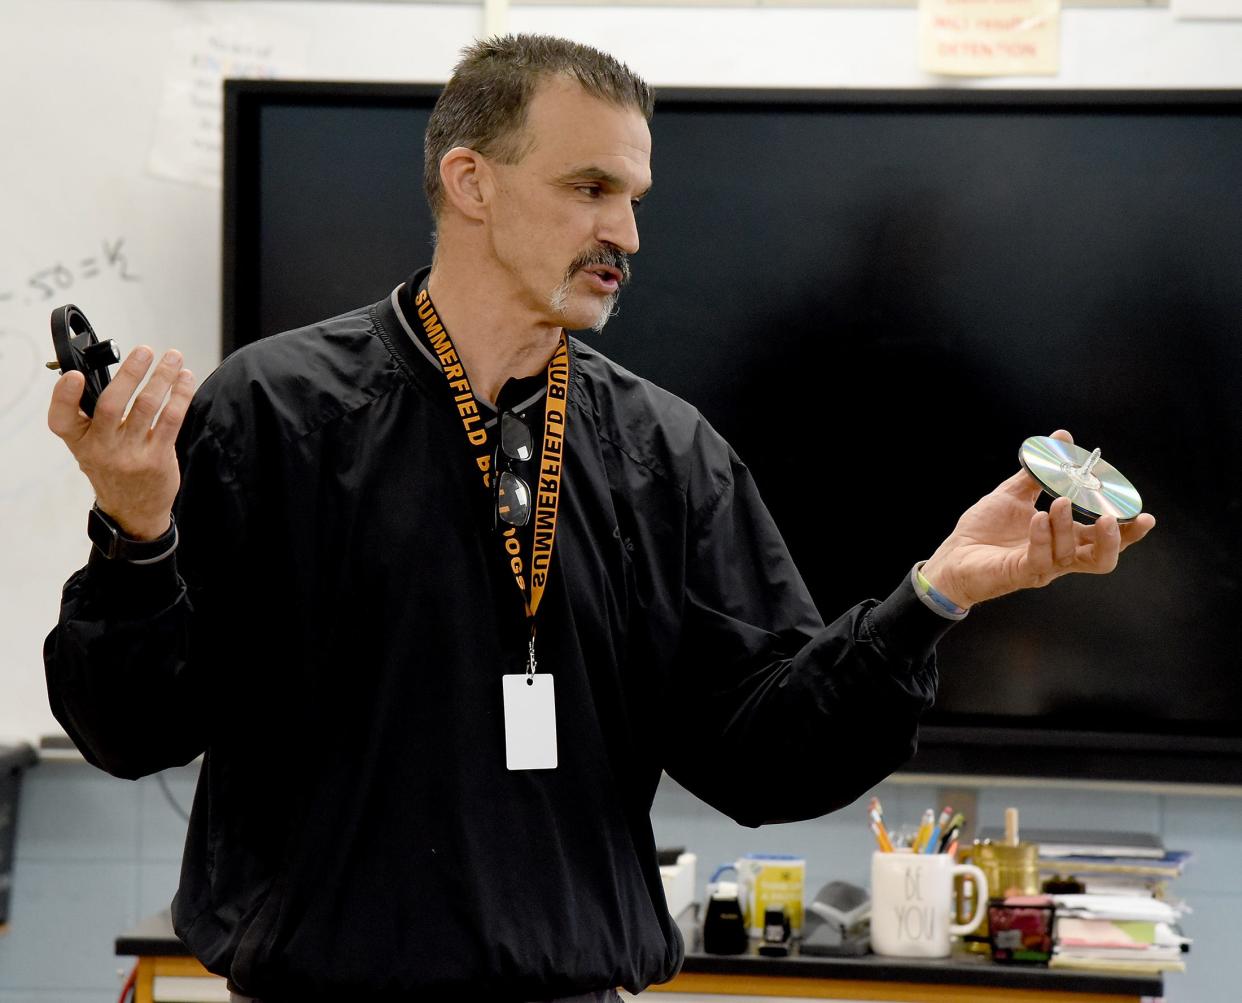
[{"x": 562, "y": 220}]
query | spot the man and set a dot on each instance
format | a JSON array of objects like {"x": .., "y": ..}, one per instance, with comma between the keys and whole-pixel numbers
[{"x": 434, "y": 686}]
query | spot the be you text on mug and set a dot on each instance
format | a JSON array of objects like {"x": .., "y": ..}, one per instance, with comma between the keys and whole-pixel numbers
[{"x": 912, "y": 901}]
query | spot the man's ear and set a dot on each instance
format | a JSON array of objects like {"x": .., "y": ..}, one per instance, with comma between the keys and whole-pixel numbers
[{"x": 467, "y": 181}]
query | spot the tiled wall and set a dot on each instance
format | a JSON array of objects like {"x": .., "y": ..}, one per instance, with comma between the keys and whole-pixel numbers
[{"x": 95, "y": 854}]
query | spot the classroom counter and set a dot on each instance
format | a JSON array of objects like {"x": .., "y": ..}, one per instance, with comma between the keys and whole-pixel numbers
[{"x": 963, "y": 978}]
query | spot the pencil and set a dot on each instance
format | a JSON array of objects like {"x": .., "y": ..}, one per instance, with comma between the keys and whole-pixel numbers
[{"x": 925, "y": 827}]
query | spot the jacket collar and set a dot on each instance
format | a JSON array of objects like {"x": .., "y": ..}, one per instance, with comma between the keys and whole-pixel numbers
[{"x": 399, "y": 320}]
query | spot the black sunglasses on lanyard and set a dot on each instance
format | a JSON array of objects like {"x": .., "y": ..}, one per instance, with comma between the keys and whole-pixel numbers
[{"x": 510, "y": 493}]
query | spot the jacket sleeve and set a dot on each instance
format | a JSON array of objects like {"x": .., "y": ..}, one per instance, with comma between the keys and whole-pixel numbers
[
  {"x": 773, "y": 717},
  {"x": 130, "y": 664}
]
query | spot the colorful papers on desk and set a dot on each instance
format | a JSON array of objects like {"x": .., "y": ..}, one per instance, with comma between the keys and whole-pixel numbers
[
  {"x": 1118, "y": 935},
  {"x": 1117, "y": 907},
  {"x": 1111, "y": 944},
  {"x": 1123, "y": 922}
]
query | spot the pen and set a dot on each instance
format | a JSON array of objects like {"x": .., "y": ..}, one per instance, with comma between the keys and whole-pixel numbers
[
  {"x": 933, "y": 839},
  {"x": 952, "y": 830}
]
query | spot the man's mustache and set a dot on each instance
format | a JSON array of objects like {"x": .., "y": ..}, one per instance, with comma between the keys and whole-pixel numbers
[{"x": 603, "y": 255}]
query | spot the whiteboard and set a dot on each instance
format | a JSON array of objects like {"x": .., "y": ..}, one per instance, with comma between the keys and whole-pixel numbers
[
  {"x": 85, "y": 221},
  {"x": 83, "y": 92}
]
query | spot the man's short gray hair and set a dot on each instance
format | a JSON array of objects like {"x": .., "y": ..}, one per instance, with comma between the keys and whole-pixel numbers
[{"x": 483, "y": 106}]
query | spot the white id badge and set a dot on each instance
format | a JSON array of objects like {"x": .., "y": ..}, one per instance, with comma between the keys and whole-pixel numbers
[{"x": 530, "y": 722}]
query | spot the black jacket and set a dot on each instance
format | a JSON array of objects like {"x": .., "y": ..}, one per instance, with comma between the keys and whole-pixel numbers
[{"x": 332, "y": 632}]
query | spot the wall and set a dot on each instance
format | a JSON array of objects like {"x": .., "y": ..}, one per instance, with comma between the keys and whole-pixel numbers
[
  {"x": 82, "y": 81},
  {"x": 95, "y": 855}
]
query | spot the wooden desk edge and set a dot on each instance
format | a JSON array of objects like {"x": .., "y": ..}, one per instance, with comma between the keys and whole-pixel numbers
[
  {"x": 856, "y": 989},
  {"x": 152, "y": 966}
]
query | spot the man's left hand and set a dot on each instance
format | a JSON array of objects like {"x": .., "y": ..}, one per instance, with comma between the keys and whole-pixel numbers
[{"x": 1002, "y": 543}]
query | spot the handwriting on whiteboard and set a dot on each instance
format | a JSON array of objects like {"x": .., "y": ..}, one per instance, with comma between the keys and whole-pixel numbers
[{"x": 56, "y": 278}]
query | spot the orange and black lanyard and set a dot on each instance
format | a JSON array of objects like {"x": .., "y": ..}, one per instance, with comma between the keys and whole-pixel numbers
[{"x": 547, "y": 490}]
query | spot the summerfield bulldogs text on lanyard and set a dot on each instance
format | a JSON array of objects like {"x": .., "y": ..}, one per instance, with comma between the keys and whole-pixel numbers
[{"x": 529, "y": 697}]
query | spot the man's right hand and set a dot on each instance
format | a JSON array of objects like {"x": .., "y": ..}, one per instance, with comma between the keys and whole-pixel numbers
[{"x": 130, "y": 458}]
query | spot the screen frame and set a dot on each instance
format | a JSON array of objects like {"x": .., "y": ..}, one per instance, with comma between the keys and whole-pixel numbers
[
  {"x": 243, "y": 100},
  {"x": 955, "y": 749}
]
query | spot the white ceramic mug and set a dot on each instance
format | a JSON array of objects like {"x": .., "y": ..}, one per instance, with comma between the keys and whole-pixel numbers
[{"x": 912, "y": 903}]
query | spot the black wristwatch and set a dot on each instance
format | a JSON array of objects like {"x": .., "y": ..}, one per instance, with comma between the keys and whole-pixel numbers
[{"x": 108, "y": 539}]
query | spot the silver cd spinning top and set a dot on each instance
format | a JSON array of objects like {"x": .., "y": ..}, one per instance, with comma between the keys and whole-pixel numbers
[{"x": 1094, "y": 488}]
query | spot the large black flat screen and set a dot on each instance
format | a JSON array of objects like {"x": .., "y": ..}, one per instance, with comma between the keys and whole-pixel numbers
[{"x": 876, "y": 297}]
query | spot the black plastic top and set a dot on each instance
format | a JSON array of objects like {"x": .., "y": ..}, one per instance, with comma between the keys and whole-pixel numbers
[{"x": 14, "y": 758}]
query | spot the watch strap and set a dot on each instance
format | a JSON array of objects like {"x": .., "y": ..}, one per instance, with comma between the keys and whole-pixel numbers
[{"x": 106, "y": 535}]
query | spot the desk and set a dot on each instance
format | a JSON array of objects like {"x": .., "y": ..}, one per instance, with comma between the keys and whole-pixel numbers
[
  {"x": 962, "y": 978},
  {"x": 164, "y": 964},
  {"x": 166, "y": 971}
]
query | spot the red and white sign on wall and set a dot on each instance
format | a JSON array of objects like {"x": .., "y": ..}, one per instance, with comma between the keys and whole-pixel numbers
[{"x": 990, "y": 37}]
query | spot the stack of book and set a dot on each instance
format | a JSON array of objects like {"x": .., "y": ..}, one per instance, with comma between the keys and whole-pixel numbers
[
  {"x": 1111, "y": 863},
  {"x": 1117, "y": 934},
  {"x": 1125, "y": 918}
]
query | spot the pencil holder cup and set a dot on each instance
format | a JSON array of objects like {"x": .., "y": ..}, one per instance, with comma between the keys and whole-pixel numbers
[
  {"x": 1010, "y": 870},
  {"x": 912, "y": 903}
]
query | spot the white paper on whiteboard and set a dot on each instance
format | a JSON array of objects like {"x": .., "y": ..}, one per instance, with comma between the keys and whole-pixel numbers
[{"x": 188, "y": 144}]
